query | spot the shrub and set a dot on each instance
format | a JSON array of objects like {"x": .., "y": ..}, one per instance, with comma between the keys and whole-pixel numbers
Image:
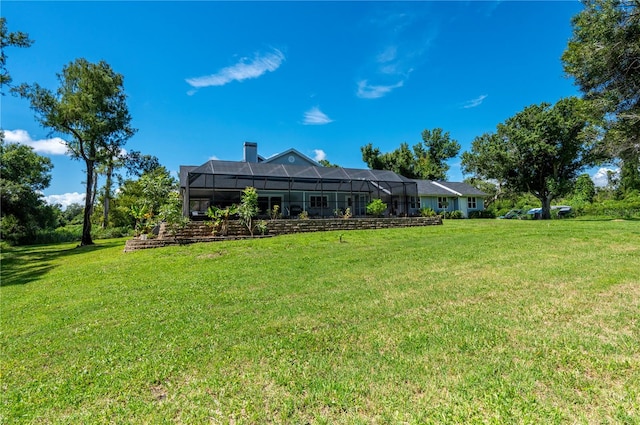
[
  {"x": 627, "y": 207},
  {"x": 248, "y": 207},
  {"x": 110, "y": 232},
  {"x": 339, "y": 214},
  {"x": 220, "y": 218},
  {"x": 427, "y": 212},
  {"x": 376, "y": 207},
  {"x": 457, "y": 214},
  {"x": 10, "y": 229},
  {"x": 70, "y": 233},
  {"x": 304, "y": 215},
  {"x": 171, "y": 214},
  {"x": 275, "y": 213},
  {"x": 261, "y": 226}
]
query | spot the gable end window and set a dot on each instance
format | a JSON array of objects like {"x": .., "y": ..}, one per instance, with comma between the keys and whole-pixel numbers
[{"x": 471, "y": 203}]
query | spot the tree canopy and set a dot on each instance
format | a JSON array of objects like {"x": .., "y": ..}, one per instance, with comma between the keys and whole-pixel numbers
[
  {"x": 23, "y": 175},
  {"x": 89, "y": 109},
  {"x": 603, "y": 55},
  {"x": 540, "y": 150},
  {"x": 149, "y": 192},
  {"x": 427, "y": 159},
  {"x": 326, "y": 163},
  {"x": 14, "y": 39}
]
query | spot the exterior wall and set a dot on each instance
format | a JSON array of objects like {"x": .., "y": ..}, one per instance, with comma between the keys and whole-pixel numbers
[
  {"x": 432, "y": 202},
  {"x": 455, "y": 203},
  {"x": 479, "y": 205}
]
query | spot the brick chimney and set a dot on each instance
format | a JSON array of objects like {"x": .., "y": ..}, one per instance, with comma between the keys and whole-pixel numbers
[{"x": 250, "y": 152}]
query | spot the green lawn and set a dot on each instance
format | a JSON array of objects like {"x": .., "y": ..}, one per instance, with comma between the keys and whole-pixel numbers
[{"x": 474, "y": 321}]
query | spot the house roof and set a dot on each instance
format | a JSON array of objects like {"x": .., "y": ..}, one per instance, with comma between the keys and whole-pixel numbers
[
  {"x": 433, "y": 188},
  {"x": 265, "y": 169},
  {"x": 236, "y": 174}
]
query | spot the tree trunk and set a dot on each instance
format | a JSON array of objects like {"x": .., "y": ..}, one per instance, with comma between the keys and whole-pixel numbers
[
  {"x": 107, "y": 198},
  {"x": 546, "y": 208},
  {"x": 94, "y": 191},
  {"x": 86, "y": 223}
]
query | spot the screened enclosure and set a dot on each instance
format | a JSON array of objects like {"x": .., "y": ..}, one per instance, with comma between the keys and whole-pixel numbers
[{"x": 320, "y": 191}]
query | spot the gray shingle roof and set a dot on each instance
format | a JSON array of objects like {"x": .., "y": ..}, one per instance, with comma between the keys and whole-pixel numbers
[
  {"x": 236, "y": 174},
  {"x": 431, "y": 188},
  {"x": 245, "y": 171},
  {"x": 261, "y": 169}
]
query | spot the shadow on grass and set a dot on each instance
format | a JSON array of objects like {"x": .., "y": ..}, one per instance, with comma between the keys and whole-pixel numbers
[{"x": 24, "y": 265}]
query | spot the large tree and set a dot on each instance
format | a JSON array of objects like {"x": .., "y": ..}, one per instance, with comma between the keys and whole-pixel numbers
[
  {"x": 23, "y": 176},
  {"x": 603, "y": 56},
  {"x": 427, "y": 159},
  {"x": 90, "y": 109},
  {"x": 540, "y": 150}
]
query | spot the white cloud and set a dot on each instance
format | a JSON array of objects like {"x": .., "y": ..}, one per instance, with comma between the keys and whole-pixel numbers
[
  {"x": 315, "y": 116},
  {"x": 213, "y": 158},
  {"x": 54, "y": 146},
  {"x": 367, "y": 91},
  {"x": 601, "y": 179},
  {"x": 474, "y": 102},
  {"x": 65, "y": 199},
  {"x": 245, "y": 69},
  {"x": 319, "y": 155}
]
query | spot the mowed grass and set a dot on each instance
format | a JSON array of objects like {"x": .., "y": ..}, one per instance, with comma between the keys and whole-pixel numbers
[{"x": 471, "y": 322}]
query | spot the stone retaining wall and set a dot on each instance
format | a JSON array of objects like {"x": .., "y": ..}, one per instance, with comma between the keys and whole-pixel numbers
[{"x": 200, "y": 232}]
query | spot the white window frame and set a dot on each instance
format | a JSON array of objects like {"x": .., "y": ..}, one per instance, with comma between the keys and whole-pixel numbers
[
  {"x": 472, "y": 203},
  {"x": 443, "y": 203}
]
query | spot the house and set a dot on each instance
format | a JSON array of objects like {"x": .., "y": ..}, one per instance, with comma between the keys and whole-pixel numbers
[
  {"x": 296, "y": 183},
  {"x": 450, "y": 196}
]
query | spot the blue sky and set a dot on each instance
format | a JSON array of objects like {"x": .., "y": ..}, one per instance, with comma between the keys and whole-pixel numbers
[{"x": 322, "y": 77}]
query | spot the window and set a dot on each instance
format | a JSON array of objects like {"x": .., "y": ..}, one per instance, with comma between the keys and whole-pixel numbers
[
  {"x": 414, "y": 202},
  {"x": 199, "y": 205},
  {"x": 471, "y": 203},
  {"x": 263, "y": 204},
  {"x": 318, "y": 201},
  {"x": 442, "y": 203}
]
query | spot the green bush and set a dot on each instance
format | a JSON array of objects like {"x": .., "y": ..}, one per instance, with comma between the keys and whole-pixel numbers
[
  {"x": 70, "y": 233},
  {"x": 427, "y": 212},
  {"x": 455, "y": 215},
  {"x": 376, "y": 207},
  {"x": 10, "y": 230},
  {"x": 111, "y": 232},
  {"x": 248, "y": 208},
  {"x": 627, "y": 207}
]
